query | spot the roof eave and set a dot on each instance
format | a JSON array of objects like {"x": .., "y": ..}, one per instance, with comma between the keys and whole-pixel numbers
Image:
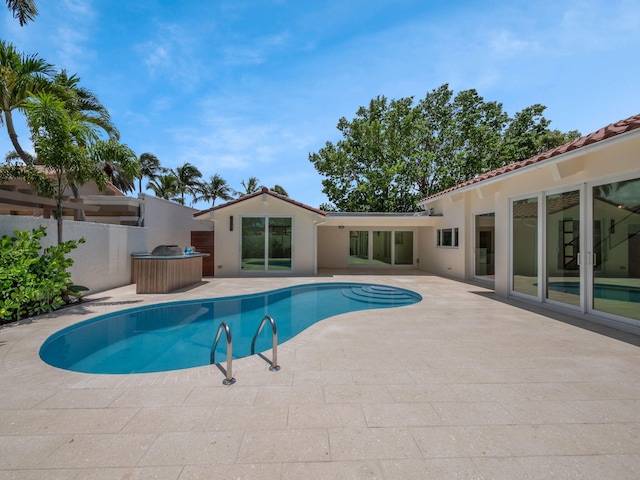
[{"x": 537, "y": 165}]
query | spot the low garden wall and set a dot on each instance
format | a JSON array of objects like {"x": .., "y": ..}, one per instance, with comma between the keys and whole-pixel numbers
[{"x": 103, "y": 261}]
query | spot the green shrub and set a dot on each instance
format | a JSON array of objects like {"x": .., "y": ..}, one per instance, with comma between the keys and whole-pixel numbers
[{"x": 31, "y": 282}]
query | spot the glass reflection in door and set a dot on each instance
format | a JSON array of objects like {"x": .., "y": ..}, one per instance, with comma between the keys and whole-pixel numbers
[
  {"x": 525, "y": 246},
  {"x": 563, "y": 247},
  {"x": 616, "y": 248}
]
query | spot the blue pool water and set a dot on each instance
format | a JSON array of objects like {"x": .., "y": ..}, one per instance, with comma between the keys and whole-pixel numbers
[
  {"x": 622, "y": 293},
  {"x": 179, "y": 335}
]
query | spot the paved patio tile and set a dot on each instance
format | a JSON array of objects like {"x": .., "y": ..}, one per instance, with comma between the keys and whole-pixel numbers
[
  {"x": 473, "y": 413},
  {"x": 221, "y": 395},
  {"x": 462, "y": 386},
  {"x": 56, "y": 421},
  {"x": 356, "y": 394},
  {"x": 262, "y": 471},
  {"x": 240, "y": 417},
  {"x": 289, "y": 395},
  {"x": 326, "y": 416},
  {"x": 168, "y": 419},
  {"x": 463, "y": 441},
  {"x": 28, "y": 451},
  {"x": 132, "y": 473},
  {"x": 436, "y": 468},
  {"x": 291, "y": 445},
  {"x": 96, "y": 450},
  {"x": 38, "y": 474},
  {"x": 372, "y": 443},
  {"x": 188, "y": 448},
  {"x": 81, "y": 398},
  {"x": 400, "y": 414},
  {"x": 364, "y": 470},
  {"x": 153, "y": 396}
]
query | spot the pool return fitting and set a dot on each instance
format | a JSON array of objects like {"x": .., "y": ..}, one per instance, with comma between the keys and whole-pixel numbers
[{"x": 229, "y": 380}]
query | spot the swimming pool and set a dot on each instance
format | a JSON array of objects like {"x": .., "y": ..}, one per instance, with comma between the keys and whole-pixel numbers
[
  {"x": 623, "y": 293},
  {"x": 179, "y": 335}
]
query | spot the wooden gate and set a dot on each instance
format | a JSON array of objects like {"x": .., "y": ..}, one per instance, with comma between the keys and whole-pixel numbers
[{"x": 203, "y": 243}]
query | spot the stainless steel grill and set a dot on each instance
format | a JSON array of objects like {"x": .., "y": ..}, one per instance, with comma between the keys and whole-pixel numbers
[{"x": 166, "y": 250}]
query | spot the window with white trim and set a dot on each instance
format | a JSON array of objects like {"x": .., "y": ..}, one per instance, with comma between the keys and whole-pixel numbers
[{"x": 447, "y": 237}]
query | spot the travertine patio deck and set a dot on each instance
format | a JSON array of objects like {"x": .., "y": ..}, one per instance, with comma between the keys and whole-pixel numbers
[{"x": 461, "y": 385}]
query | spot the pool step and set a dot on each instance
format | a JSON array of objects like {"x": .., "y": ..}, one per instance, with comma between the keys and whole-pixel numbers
[{"x": 379, "y": 295}]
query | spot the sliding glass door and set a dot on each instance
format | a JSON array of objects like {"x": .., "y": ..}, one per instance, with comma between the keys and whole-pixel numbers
[
  {"x": 266, "y": 244},
  {"x": 524, "y": 221},
  {"x": 485, "y": 246},
  {"x": 614, "y": 248},
  {"x": 380, "y": 247},
  {"x": 563, "y": 260},
  {"x": 590, "y": 248}
]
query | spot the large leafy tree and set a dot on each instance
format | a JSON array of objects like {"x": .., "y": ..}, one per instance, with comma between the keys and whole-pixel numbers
[
  {"x": 187, "y": 178},
  {"x": 23, "y": 10},
  {"x": 395, "y": 152},
  {"x": 216, "y": 187},
  {"x": 20, "y": 76}
]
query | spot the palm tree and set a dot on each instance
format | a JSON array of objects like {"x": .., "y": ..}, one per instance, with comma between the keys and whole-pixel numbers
[
  {"x": 187, "y": 177},
  {"x": 164, "y": 186},
  {"x": 20, "y": 76},
  {"x": 119, "y": 162},
  {"x": 63, "y": 145},
  {"x": 23, "y": 10},
  {"x": 251, "y": 186},
  {"x": 216, "y": 188},
  {"x": 278, "y": 189},
  {"x": 149, "y": 167},
  {"x": 79, "y": 100}
]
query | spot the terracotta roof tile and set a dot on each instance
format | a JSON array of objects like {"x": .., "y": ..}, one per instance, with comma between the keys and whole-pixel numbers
[
  {"x": 612, "y": 130},
  {"x": 260, "y": 192}
]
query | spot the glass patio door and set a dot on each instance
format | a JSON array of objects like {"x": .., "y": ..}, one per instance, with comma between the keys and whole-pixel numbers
[
  {"x": 613, "y": 256},
  {"x": 564, "y": 282},
  {"x": 484, "y": 246}
]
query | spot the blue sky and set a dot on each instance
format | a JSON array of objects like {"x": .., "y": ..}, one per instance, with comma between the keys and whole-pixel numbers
[{"x": 250, "y": 87}]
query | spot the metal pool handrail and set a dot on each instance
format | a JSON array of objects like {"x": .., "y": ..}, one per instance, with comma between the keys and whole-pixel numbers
[
  {"x": 223, "y": 326},
  {"x": 274, "y": 330}
]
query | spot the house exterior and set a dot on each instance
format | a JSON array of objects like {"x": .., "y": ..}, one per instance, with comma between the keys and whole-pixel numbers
[
  {"x": 560, "y": 229},
  {"x": 265, "y": 233}
]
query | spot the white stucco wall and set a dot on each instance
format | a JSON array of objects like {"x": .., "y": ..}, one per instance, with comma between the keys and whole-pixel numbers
[
  {"x": 169, "y": 223},
  {"x": 446, "y": 261},
  {"x": 599, "y": 162},
  {"x": 227, "y": 243},
  {"x": 102, "y": 262},
  {"x": 333, "y": 247},
  {"x": 333, "y": 237}
]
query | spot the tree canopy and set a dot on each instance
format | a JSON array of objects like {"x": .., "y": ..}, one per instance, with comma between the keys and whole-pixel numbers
[{"x": 395, "y": 152}]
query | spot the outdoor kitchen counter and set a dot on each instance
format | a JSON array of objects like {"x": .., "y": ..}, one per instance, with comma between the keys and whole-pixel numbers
[{"x": 165, "y": 273}]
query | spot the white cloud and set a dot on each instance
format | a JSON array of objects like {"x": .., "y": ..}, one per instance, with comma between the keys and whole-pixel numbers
[
  {"x": 171, "y": 54},
  {"x": 256, "y": 52}
]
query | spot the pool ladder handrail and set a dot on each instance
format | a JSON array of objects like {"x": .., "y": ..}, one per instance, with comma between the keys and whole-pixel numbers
[
  {"x": 274, "y": 330},
  {"x": 229, "y": 380}
]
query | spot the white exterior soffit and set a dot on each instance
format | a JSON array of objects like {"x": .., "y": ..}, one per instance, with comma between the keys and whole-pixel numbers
[
  {"x": 593, "y": 147},
  {"x": 380, "y": 219}
]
